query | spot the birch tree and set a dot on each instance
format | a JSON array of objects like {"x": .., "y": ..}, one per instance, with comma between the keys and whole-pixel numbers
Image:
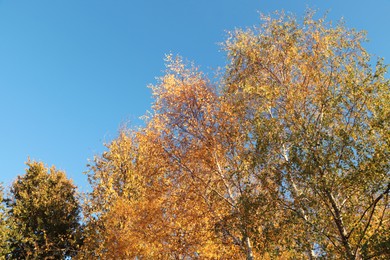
[{"x": 319, "y": 112}]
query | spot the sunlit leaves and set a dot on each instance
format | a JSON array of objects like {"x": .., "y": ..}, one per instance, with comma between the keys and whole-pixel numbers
[
  {"x": 286, "y": 156},
  {"x": 312, "y": 99},
  {"x": 44, "y": 215}
]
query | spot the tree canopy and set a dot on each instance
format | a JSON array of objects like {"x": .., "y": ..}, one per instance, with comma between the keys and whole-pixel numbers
[
  {"x": 43, "y": 215},
  {"x": 286, "y": 156}
]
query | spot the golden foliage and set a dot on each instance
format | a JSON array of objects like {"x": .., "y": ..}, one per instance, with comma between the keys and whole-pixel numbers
[{"x": 286, "y": 157}]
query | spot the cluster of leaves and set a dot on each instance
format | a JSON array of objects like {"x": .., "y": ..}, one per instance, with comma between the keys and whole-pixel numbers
[
  {"x": 285, "y": 157},
  {"x": 40, "y": 219}
]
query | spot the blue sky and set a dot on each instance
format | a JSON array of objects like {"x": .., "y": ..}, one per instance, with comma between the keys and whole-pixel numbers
[{"x": 73, "y": 71}]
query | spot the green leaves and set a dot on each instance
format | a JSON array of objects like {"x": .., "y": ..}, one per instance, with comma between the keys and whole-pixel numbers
[
  {"x": 312, "y": 102},
  {"x": 44, "y": 214}
]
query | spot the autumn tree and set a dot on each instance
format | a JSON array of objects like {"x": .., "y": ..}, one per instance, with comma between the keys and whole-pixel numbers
[
  {"x": 116, "y": 187},
  {"x": 141, "y": 204},
  {"x": 43, "y": 215},
  {"x": 318, "y": 113},
  {"x": 182, "y": 186},
  {"x": 135, "y": 208},
  {"x": 213, "y": 161}
]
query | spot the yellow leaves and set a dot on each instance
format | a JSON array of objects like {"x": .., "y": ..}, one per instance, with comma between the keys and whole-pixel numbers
[
  {"x": 128, "y": 229},
  {"x": 256, "y": 159}
]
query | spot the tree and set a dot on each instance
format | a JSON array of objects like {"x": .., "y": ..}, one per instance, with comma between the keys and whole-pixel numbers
[
  {"x": 44, "y": 215},
  {"x": 181, "y": 186},
  {"x": 134, "y": 209},
  {"x": 319, "y": 114},
  {"x": 212, "y": 161},
  {"x": 114, "y": 179}
]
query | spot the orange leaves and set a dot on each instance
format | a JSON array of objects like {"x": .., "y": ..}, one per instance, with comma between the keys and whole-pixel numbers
[
  {"x": 183, "y": 98},
  {"x": 277, "y": 161}
]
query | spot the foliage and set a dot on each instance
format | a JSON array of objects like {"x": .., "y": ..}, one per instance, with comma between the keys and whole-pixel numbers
[
  {"x": 43, "y": 215},
  {"x": 319, "y": 117},
  {"x": 286, "y": 157},
  {"x": 4, "y": 231}
]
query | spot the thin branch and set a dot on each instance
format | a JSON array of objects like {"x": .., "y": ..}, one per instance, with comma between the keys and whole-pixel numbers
[
  {"x": 371, "y": 215},
  {"x": 373, "y": 204}
]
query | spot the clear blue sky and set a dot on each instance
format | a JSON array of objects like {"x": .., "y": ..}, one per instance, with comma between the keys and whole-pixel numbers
[{"x": 73, "y": 71}]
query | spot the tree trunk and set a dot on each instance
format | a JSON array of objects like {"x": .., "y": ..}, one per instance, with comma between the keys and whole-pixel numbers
[{"x": 249, "y": 253}]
